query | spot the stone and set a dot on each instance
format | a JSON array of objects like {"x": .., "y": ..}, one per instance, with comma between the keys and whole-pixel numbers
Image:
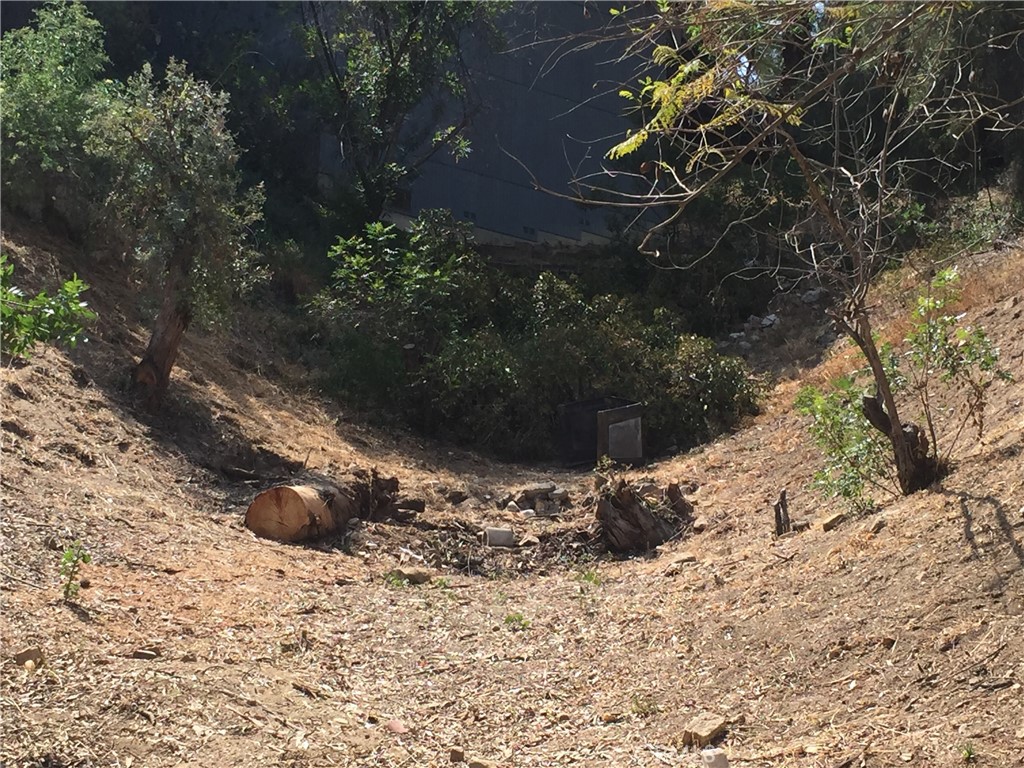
[
  {"x": 798, "y": 526},
  {"x": 457, "y": 755},
  {"x": 700, "y": 524},
  {"x": 147, "y": 654},
  {"x": 477, "y": 763},
  {"x": 813, "y": 296},
  {"x": 529, "y": 541},
  {"x": 561, "y": 495},
  {"x": 412, "y": 575},
  {"x": 703, "y": 729},
  {"x": 31, "y": 658},
  {"x": 745, "y": 346},
  {"x": 876, "y": 525},
  {"x": 512, "y": 507},
  {"x": 537, "y": 489},
  {"x": 770, "y": 321},
  {"x": 833, "y": 521},
  {"x": 529, "y": 512},
  {"x": 396, "y": 726},
  {"x": 499, "y": 537},
  {"x": 714, "y": 758}
]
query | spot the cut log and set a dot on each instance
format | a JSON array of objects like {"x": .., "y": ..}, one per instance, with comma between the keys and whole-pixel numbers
[
  {"x": 301, "y": 512},
  {"x": 298, "y": 513}
]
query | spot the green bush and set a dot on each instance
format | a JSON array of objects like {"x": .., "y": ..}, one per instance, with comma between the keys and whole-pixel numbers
[
  {"x": 46, "y": 72},
  {"x": 415, "y": 324},
  {"x": 25, "y": 322},
  {"x": 858, "y": 458}
]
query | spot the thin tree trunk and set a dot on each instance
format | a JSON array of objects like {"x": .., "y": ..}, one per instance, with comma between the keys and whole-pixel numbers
[
  {"x": 153, "y": 373},
  {"x": 915, "y": 466}
]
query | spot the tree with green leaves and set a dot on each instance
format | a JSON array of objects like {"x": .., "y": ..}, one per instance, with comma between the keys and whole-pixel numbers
[
  {"x": 381, "y": 63},
  {"x": 175, "y": 191},
  {"x": 46, "y": 72},
  {"x": 843, "y": 114}
]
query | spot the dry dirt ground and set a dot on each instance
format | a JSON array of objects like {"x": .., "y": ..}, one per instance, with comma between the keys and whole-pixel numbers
[{"x": 894, "y": 639}]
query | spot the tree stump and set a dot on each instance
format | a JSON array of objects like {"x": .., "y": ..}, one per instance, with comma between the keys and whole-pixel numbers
[{"x": 630, "y": 524}]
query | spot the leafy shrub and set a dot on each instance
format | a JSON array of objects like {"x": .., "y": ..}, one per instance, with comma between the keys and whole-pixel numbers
[
  {"x": 46, "y": 72},
  {"x": 410, "y": 288},
  {"x": 857, "y": 456},
  {"x": 25, "y": 322}
]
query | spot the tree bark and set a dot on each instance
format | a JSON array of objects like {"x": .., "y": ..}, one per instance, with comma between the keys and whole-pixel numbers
[
  {"x": 916, "y": 468},
  {"x": 153, "y": 373},
  {"x": 629, "y": 523}
]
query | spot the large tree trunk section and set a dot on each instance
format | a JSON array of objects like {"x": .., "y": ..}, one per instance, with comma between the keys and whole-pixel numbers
[
  {"x": 153, "y": 373},
  {"x": 301, "y": 513},
  {"x": 629, "y": 523},
  {"x": 298, "y": 513}
]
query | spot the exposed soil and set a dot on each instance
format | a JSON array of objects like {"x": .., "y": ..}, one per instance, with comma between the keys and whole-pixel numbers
[{"x": 896, "y": 638}]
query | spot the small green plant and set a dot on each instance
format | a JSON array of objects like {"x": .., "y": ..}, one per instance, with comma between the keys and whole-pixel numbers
[
  {"x": 71, "y": 562},
  {"x": 396, "y": 581},
  {"x": 517, "y": 622},
  {"x": 25, "y": 321},
  {"x": 589, "y": 576},
  {"x": 857, "y": 457},
  {"x": 940, "y": 348},
  {"x": 442, "y": 582},
  {"x": 968, "y": 753},
  {"x": 644, "y": 705}
]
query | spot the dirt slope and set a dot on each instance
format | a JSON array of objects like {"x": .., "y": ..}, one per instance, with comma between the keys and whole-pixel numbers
[{"x": 196, "y": 644}]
